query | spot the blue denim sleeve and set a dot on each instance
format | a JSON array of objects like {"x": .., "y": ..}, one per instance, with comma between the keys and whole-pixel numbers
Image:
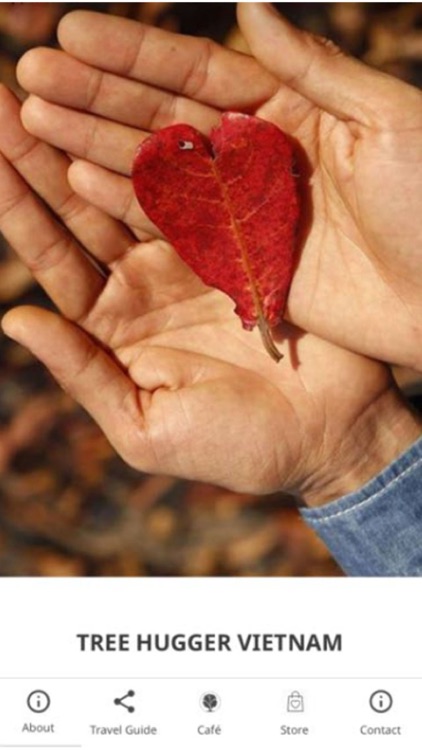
[{"x": 377, "y": 531}]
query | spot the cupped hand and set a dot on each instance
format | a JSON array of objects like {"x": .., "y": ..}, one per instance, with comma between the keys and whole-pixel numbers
[
  {"x": 359, "y": 277},
  {"x": 161, "y": 362}
]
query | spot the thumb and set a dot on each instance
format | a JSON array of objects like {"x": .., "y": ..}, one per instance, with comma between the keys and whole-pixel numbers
[
  {"x": 321, "y": 72},
  {"x": 87, "y": 373}
]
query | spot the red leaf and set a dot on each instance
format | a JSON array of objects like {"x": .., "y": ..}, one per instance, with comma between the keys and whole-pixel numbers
[{"x": 229, "y": 205}]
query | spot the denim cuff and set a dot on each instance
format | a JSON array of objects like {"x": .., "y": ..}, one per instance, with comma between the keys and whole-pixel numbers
[{"x": 377, "y": 531}]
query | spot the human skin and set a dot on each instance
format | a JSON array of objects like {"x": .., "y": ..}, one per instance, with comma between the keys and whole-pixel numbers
[
  {"x": 157, "y": 358},
  {"x": 359, "y": 277}
]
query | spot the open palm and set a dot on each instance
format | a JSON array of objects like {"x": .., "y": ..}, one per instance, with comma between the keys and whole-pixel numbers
[
  {"x": 358, "y": 281},
  {"x": 159, "y": 360}
]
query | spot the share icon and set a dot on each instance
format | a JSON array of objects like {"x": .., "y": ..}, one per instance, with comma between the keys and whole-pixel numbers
[{"x": 121, "y": 701}]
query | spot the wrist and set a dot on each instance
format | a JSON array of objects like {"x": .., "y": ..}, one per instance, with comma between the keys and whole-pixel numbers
[{"x": 385, "y": 430}]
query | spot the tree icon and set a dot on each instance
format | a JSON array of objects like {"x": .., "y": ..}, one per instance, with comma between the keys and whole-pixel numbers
[{"x": 210, "y": 702}]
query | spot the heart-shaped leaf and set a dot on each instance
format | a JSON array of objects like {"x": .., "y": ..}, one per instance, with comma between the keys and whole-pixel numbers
[{"x": 229, "y": 205}]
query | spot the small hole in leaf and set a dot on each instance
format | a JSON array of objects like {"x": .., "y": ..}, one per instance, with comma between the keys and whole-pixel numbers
[{"x": 185, "y": 145}]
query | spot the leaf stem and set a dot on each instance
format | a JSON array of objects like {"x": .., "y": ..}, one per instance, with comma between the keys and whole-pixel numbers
[{"x": 268, "y": 340}]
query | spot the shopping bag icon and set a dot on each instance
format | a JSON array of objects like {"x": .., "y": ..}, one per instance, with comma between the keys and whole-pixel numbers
[{"x": 295, "y": 702}]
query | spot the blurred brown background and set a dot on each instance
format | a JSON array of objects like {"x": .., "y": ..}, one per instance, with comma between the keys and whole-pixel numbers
[{"x": 68, "y": 505}]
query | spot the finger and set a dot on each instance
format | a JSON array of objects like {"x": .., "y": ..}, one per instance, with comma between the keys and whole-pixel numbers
[
  {"x": 318, "y": 70},
  {"x": 84, "y": 370},
  {"x": 45, "y": 170},
  {"x": 113, "y": 194},
  {"x": 196, "y": 68},
  {"x": 90, "y": 137},
  {"x": 60, "y": 78},
  {"x": 47, "y": 249}
]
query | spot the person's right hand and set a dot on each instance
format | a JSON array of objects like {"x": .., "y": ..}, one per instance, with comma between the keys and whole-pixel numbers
[{"x": 359, "y": 279}]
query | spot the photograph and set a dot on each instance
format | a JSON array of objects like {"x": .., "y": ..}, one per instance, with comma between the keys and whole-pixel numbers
[{"x": 210, "y": 289}]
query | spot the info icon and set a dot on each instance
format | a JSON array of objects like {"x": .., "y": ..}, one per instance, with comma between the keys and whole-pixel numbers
[
  {"x": 38, "y": 701},
  {"x": 210, "y": 702},
  {"x": 381, "y": 701}
]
